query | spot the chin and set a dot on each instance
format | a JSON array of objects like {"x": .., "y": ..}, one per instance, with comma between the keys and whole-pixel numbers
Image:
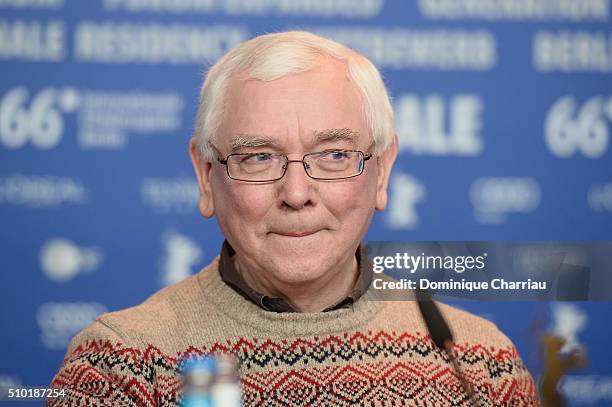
[{"x": 295, "y": 271}]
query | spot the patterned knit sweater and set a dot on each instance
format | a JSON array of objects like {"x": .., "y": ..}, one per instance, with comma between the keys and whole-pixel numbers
[{"x": 375, "y": 353}]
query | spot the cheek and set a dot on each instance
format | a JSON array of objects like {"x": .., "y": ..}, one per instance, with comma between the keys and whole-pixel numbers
[
  {"x": 353, "y": 198},
  {"x": 240, "y": 203}
]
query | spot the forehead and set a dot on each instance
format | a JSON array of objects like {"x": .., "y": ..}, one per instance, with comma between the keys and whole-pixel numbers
[{"x": 301, "y": 108}]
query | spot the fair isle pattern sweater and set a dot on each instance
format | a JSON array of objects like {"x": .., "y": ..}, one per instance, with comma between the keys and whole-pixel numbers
[{"x": 374, "y": 353}]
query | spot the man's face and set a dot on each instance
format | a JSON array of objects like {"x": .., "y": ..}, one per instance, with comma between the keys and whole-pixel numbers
[{"x": 296, "y": 229}]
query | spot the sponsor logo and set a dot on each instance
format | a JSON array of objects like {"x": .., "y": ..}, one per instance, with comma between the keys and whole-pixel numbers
[
  {"x": 406, "y": 191},
  {"x": 41, "y": 191},
  {"x": 398, "y": 48},
  {"x": 516, "y": 10},
  {"x": 60, "y": 321},
  {"x": 495, "y": 197},
  {"x": 180, "y": 255},
  {"x": 568, "y": 321},
  {"x": 572, "y": 51},
  {"x": 570, "y": 129},
  {"x": 317, "y": 8},
  {"x": 8, "y": 381},
  {"x": 32, "y": 3},
  {"x": 32, "y": 40},
  {"x": 591, "y": 389},
  {"x": 599, "y": 197},
  {"x": 105, "y": 118},
  {"x": 38, "y": 121},
  {"x": 422, "y": 125},
  {"x": 176, "y": 195},
  {"x": 61, "y": 259},
  {"x": 119, "y": 42}
]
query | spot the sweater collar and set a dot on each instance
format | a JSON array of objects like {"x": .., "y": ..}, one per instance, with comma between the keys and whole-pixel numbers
[{"x": 232, "y": 277}]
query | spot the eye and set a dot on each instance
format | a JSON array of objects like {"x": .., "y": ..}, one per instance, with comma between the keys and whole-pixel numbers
[
  {"x": 334, "y": 155},
  {"x": 257, "y": 158}
]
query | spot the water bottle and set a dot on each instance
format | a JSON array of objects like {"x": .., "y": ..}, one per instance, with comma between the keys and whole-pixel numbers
[
  {"x": 226, "y": 387},
  {"x": 198, "y": 377}
]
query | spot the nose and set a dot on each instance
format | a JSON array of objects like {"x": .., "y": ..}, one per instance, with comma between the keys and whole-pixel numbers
[{"x": 296, "y": 187}]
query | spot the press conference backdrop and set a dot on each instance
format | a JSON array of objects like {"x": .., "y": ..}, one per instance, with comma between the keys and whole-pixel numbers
[{"x": 504, "y": 113}]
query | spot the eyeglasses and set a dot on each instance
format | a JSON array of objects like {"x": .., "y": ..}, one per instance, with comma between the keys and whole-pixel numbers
[{"x": 324, "y": 165}]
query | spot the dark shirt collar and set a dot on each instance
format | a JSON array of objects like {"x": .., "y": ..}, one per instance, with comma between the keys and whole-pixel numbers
[{"x": 232, "y": 277}]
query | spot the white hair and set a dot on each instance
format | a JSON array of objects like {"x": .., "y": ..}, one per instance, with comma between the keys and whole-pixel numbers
[{"x": 273, "y": 56}]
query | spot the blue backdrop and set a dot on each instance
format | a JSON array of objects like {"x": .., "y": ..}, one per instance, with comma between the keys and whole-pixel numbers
[{"x": 504, "y": 109}]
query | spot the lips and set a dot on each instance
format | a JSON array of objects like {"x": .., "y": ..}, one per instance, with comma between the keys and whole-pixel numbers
[{"x": 296, "y": 234}]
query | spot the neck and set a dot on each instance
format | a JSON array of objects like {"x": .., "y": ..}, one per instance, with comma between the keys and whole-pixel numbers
[{"x": 314, "y": 296}]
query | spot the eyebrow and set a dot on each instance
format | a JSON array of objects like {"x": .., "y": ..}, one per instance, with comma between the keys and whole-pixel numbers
[
  {"x": 332, "y": 135},
  {"x": 242, "y": 141}
]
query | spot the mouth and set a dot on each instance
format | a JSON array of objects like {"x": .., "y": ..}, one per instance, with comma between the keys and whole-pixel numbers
[{"x": 296, "y": 234}]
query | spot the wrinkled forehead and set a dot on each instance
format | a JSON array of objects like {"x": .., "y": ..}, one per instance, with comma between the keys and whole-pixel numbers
[
  {"x": 320, "y": 106},
  {"x": 336, "y": 137}
]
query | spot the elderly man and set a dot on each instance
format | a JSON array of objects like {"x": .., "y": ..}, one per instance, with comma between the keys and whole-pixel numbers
[{"x": 293, "y": 149}]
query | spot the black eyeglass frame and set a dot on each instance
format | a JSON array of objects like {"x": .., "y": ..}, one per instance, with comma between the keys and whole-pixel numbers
[{"x": 365, "y": 157}]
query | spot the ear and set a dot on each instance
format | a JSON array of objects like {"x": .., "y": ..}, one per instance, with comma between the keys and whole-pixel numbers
[
  {"x": 385, "y": 162},
  {"x": 202, "y": 169}
]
